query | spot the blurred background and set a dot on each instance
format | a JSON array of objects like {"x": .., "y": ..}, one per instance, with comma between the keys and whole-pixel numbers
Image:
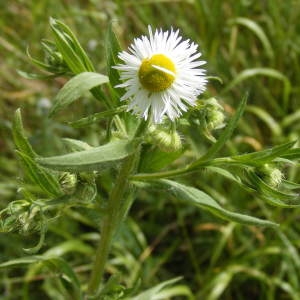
[{"x": 252, "y": 45}]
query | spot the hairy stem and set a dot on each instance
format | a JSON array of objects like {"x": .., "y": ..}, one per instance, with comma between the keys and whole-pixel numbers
[
  {"x": 110, "y": 222},
  {"x": 184, "y": 171},
  {"x": 117, "y": 209}
]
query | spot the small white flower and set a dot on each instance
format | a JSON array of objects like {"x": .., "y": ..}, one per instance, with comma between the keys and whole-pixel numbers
[{"x": 161, "y": 75}]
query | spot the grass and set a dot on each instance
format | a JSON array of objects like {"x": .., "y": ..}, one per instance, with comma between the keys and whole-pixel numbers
[{"x": 252, "y": 46}]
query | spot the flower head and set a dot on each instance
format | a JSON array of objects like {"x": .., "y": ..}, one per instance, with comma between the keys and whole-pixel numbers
[{"x": 161, "y": 75}]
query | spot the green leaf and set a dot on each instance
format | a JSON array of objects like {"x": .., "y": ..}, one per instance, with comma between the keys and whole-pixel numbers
[
  {"x": 43, "y": 230},
  {"x": 215, "y": 78},
  {"x": 56, "y": 263},
  {"x": 74, "y": 55},
  {"x": 76, "y": 145},
  {"x": 292, "y": 154},
  {"x": 255, "y": 184},
  {"x": 290, "y": 185},
  {"x": 204, "y": 201},
  {"x": 97, "y": 117},
  {"x": 65, "y": 247},
  {"x": 264, "y": 156},
  {"x": 153, "y": 159},
  {"x": 257, "y": 30},
  {"x": 227, "y": 132},
  {"x": 289, "y": 119},
  {"x": 44, "y": 66},
  {"x": 112, "y": 48},
  {"x": 21, "y": 261},
  {"x": 95, "y": 159},
  {"x": 270, "y": 194},
  {"x": 68, "y": 274},
  {"x": 248, "y": 73},
  {"x": 229, "y": 175},
  {"x": 70, "y": 48},
  {"x": 266, "y": 118},
  {"x": 46, "y": 181},
  {"x": 75, "y": 88},
  {"x": 154, "y": 293},
  {"x": 19, "y": 137},
  {"x": 38, "y": 76}
]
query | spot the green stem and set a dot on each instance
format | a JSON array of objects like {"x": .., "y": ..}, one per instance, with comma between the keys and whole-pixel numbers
[
  {"x": 110, "y": 222},
  {"x": 158, "y": 175},
  {"x": 117, "y": 209},
  {"x": 98, "y": 94},
  {"x": 183, "y": 171}
]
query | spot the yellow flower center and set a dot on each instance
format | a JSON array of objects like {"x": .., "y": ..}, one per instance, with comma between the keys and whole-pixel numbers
[{"x": 157, "y": 73}]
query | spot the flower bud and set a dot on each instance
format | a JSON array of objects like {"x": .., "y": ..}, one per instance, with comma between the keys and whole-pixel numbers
[
  {"x": 55, "y": 59},
  {"x": 68, "y": 182},
  {"x": 167, "y": 141},
  {"x": 214, "y": 114},
  {"x": 271, "y": 175}
]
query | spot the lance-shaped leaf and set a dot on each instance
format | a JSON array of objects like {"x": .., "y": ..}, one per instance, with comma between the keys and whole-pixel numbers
[
  {"x": 196, "y": 197},
  {"x": 73, "y": 54},
  {"x": 159, "y": 290},
  {"x": 269, "y": 72},
  {"x": 257, "y": 30},
  {"x": 272, "y": 195},
  {"x": 91, "y": 119},
  {"x": 75, "y": 88},
  {"x": 94, "y": 159},
  {"x": 289, "y": 185},
  {"x": 38, "y": 175},
  {"x": 292, "y": 154},
  {"x": 112, "y": 48},
  {"x": 264, "y": 156},
  {"x": 46, "y": 181},
  {"x": 19, "y": 137},
  {"x": 57, "y": 264},
  {"x": 76, "y": 145},
  {"x": 70, "y": 48}
]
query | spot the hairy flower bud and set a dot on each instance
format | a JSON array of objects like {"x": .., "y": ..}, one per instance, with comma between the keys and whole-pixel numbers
[
  {"x": 273, "y": 176},
  {"x": 214, "y": 114},
  {"x": 167, "y": 141},
  {"x": 68, "y": 182}
]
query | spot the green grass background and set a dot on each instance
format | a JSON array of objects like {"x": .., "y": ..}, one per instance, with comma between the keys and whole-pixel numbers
[{"x": 252, "y": 45}]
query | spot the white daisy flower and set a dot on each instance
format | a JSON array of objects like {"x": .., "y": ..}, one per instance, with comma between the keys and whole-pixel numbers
[{"x": 161, "y": 75}]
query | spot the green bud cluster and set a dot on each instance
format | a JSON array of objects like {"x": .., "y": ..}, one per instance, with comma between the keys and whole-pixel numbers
[{"x": 21, "y": 216}]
